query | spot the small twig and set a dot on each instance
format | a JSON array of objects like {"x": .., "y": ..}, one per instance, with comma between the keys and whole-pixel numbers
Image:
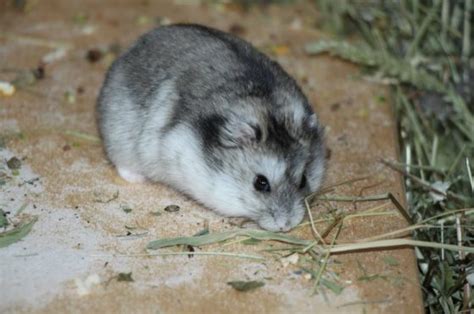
[
  {"x": 368, "y": 187},
  {"x": 336, "y": 222},
  {"x": 422, "y": 29},
  {"x": 449, "y": 215},
  {"x": 408, "y": 166},
  {"x": 365, "y": 302},
  {"x": 332, "y": 186},
  {"x": 434, "y": 151},
  {"x": 325, "y": 233},
  {"x": 237, "y": 255},
  {"x": 462, "y": 256},
  {"x": 466, "y": 43},
  {"x": 400, "y": 208},
  {"x": 422, "y": 224},
  {"x": 326, "y": 257},
  {"x": 469, "y": 173},
  {"x": 444, "y": 21},
  {"x": 372, "y": 198},
  {"x": 83, "y": 136},
  {"x": 354, "y": 199},
  {"x": 364, "y": 213},
  {"x": 442, "y": 239},
  {"x": 456, "y": 161},
  {"x": 313, "y": 227},
  {"x": 422, "y": 183},
  {"x": 383, "y": 244},
  {"x": 429, "y": 274},
  {"x": 412, "y": 166},
  {"x": 396, "y": 232}
]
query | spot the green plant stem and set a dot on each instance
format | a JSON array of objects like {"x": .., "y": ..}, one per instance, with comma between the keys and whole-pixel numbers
[{"x": 422, "y": 30}]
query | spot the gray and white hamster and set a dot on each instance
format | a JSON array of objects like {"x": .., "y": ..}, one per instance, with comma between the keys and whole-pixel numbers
[{"x": 206, "y": 113}]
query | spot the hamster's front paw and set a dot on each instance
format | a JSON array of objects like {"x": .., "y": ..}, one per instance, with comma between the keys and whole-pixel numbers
[{"x": 130, "y": 176}]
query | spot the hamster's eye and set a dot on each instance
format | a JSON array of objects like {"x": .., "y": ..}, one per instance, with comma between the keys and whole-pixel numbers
[
  {"x": 303, "y": 182},
  {"x": 261, "y": 183}
]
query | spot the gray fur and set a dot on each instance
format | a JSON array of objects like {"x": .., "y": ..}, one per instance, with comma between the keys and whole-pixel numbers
[{"x": 205, "y": 112}]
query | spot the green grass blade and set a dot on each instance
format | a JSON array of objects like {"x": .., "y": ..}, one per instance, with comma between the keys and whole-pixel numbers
[
  {"x": 16, "y": 234},
  {"x": 223, "y": 236}
]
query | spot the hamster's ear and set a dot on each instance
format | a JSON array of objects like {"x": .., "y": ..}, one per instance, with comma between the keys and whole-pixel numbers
[
  {"x": 301, "y": 125},
  {"x": 236, "y": 131}
]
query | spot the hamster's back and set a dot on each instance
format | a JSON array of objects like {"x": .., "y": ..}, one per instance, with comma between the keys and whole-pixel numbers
[
  {"x": 179, "y": 74},
  {"x": 202, "y": 61}
]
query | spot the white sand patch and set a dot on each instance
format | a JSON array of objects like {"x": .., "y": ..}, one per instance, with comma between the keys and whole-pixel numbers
[
  {"x": 59, "y": 247},
  {"x": 34, "y": 270}
]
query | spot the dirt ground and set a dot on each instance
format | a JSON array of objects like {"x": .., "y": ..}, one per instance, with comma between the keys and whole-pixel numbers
[{"x": 85, "y": 237}]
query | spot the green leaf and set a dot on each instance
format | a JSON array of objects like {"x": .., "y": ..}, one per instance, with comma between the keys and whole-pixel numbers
[
  {"x": 127, "y": 277},
  {"x": 331, "y": 285},
  {"x": 244, "y": 286},
  {"x": 3, "y": 219},
  {"x": 447, "y": 276},
  {"x": 83, "y": 136},
  {"x": 17, "y": 233},
  {"x": 251, "y": 241},
  {"x": 201, "y": 232},
  {"x": 223, "y": 236}
]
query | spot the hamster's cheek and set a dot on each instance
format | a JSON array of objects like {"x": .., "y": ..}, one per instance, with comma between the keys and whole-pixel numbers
[
  {"x": 268, "y": 223},
  {"x": 315, "y": 175},
  {"x": 297, "y": 217}
]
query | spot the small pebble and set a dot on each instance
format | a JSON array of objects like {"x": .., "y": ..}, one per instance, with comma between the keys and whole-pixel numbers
[
  {"x": 6, "y": 89},
  {"x": 39, "y": 72},
  {"x": 14, "y": 163},
  {"x": 94, "y": 55}
]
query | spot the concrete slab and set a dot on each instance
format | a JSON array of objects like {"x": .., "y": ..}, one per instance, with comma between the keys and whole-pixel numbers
[{"x": 80, "y": 242}]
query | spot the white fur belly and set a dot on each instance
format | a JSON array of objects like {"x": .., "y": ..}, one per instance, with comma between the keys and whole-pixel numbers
[
  {"x": 150, "y": 144},
  {"x": 183, "y": 165}
]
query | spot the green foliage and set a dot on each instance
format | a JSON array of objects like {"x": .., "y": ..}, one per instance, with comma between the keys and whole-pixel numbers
[
  {"x": 423, "y": 48},
  {"x": 389, "y": 66}
]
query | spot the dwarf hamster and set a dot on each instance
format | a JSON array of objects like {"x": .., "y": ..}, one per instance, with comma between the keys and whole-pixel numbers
[{"x": 207, "y": 114}]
